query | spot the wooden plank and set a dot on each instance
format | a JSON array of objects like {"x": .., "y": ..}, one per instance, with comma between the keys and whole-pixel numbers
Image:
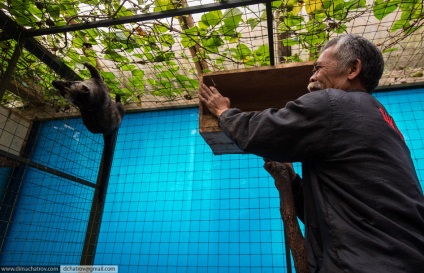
[{"x": 254, "y": 89}]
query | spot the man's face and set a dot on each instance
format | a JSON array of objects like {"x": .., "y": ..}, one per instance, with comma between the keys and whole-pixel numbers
[{"x": 327, "y": 74}]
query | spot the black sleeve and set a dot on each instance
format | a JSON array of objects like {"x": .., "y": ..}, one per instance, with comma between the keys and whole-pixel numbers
[
  {"x": 297, "y": 190},
  {"x": 299, "y": 131}
]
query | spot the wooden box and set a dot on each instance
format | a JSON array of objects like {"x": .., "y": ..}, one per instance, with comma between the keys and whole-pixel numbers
[{"x": 252, "y": 89}]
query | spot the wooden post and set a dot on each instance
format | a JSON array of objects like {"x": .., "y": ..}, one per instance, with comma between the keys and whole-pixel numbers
[{"x": 186, "y": 22}]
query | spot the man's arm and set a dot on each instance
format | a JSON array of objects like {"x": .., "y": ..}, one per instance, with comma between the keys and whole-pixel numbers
[{"x": 300, "y": 130}]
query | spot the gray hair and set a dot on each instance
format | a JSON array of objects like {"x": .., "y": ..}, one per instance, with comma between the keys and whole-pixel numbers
[{"x": 348, "y": 48}]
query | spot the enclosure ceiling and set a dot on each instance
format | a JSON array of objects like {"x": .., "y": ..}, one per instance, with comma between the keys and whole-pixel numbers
[{"x": 152, "y": 53}]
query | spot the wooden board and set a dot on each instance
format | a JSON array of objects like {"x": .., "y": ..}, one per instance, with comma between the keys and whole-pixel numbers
[{"x": 253, "y": 89}]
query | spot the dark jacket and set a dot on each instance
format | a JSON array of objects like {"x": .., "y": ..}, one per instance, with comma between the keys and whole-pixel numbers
[{"x": 363, "y": 204}]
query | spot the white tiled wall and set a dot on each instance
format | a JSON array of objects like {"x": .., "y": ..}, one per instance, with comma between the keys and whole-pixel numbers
[{"x": 13, "y": 131}]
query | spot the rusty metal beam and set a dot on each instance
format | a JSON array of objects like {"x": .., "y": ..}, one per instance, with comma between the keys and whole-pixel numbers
[
  {"x": 148, "y": 16},
  {"x": 11, "y": 30}
]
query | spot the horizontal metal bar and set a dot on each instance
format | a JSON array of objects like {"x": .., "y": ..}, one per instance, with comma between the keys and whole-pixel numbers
[
  {"x": 146, "y": 17},
  {"x": 46, "y": 169},
  {"x": 13, "y": 31},
  {"x": 398, "y": 87},
  {"x": 50, "y": 60}
]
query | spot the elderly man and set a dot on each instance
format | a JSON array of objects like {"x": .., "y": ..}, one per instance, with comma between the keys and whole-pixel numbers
[{"x": 363, "y": 204}]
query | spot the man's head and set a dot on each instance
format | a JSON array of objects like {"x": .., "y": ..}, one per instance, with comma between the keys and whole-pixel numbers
[{"x": 348, "y": 62}]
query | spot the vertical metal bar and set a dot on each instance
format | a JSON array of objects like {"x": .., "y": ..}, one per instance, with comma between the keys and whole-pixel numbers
[
  {"x": 97, "y": 206},
  {"x": 270, "y": 20},
  {"x": 8, "y": 203},
  {"x": 10, "y": 68},
  {"x": 12, "y": 192}
]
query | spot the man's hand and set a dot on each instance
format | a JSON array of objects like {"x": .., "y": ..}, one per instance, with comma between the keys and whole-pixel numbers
[{"x": 213, "y": 100}]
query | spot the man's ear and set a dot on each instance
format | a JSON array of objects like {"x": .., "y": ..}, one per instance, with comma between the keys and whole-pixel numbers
[{"x": 355, "y": 69}]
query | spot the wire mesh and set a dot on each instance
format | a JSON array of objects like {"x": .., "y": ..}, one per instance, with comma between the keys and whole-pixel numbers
[
  {"x": 48, "y": 217},
  {"x": 156, "y": 63},
  {"x": 171, "y": 206},
  {"x": 45, "y": 207}
]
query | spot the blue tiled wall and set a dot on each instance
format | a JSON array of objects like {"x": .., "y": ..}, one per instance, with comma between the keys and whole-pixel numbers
[
  {"x": 175, "y": 207},
  {"x": 407, "y": 109},
  {"x": 172, "y": 206}
]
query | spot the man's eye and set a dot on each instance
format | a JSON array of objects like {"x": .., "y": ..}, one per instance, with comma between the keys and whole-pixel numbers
[{"x": 316, "y": 68}]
